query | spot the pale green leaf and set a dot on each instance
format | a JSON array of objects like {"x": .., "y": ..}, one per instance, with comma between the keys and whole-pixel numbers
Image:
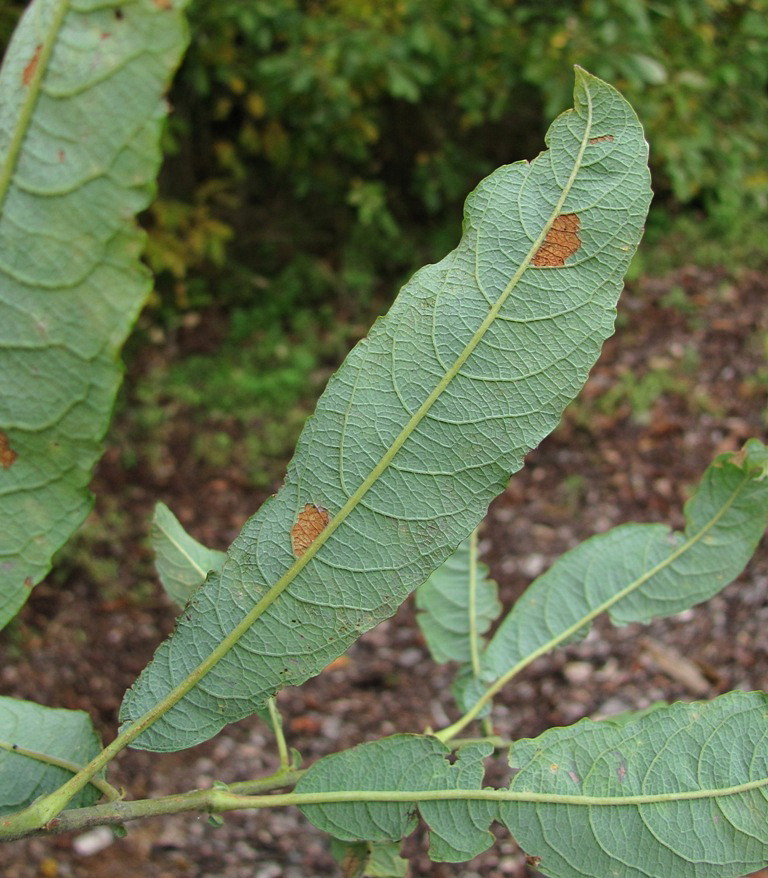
[
  {"x": 680, "y": 791},
  {"x": 40, "y": 749},
  {"x": 458, "y": 830},
  {"x": 182, "y": 563},
  {"x": 457, "y": 605},
  {"x": 419, "y": 429},
  {"x": 361, "y": 859},
  {"x": 716, "y": 752},
  {"x": 79, "y": 127},
  {"x": 637, "y": 572}
]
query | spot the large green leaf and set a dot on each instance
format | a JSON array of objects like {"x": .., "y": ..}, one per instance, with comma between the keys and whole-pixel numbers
[
  {"x": 681, "y": 791},
  {"x": 80, "y": 118},
  {"x": 420, "y": 428},
  {"x": 636, "y": 572},
  {"x": 182, "y": 563},
  {"x": 716, "y": 752},
  {"x": 40, "y": 749}
]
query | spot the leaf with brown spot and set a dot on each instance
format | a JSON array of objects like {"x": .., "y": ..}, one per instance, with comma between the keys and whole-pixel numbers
[
  {"x": 69, "y": 248},
  {"x": 419, "y": 429},
  {"x": 561, "y": 242},
  {"x": 29, "y": 70},
  {"x": 311, "y": 522},
  {"x": 602, "y": 139},
  {"x": 7, "y": 454}
]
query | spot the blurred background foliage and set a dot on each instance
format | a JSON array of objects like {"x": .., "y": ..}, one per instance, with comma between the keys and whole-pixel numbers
[{"x": 320, "y": 150}]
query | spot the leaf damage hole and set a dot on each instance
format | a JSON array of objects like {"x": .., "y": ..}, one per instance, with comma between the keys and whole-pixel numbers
[
  {"x": 311, "y": 522},
  {"x": 29, "y": 70},
  {"x": 7, "y": 454},
  {"x": 602, "y": 139},
  {"x": 561, "y": 242}
]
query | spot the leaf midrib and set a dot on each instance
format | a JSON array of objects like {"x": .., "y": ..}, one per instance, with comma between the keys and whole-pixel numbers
[{"x": 28, "y": 104}]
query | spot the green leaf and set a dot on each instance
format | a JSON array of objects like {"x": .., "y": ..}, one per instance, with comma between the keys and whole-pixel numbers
[
  {"x": 458, "y": 830},
  {"x": 182, "y": 563},
  {"x": 419, "y": 429},
  {"x": 680, "y": 791},
  {"x": 637, "y": 572},
  {"x": 457, "y": 605},
  {"x": 712, "y": 752},
  {"x": 79, "y": 126},
  {"x": 367, "y": 860},
  {"x": 40, "y": 749}
]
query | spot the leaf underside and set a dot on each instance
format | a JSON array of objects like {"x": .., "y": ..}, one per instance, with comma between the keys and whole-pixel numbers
[
  {"x": 717, "y": 751},
  {"x": 82, "y": 109},
  {"x": 52, "y": 733},
  {"x": 182, "y": 563},
  {"x": 420, "y": 428},
  {"x": 637, "y": 572},
  {"x": 447, "y": 606}
]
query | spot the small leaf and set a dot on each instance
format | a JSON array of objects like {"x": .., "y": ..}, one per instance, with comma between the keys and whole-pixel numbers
[
  {"x": 458, "y": 829},
  {"x": 418, "y": 430},
  {"x": 182, "y": 563},
  {"x": 637, "y": 572},
  {"x": 35, "y": 745},
  {"x": 80, "y": 120},
  {"x": 367, "y": 860},
  {"x": 457, "y": 602}
]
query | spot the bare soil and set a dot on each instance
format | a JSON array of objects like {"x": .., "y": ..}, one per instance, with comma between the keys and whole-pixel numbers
[{"x": 87, "y": 631}]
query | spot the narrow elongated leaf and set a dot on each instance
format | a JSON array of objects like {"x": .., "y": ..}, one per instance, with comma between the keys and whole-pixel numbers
[
  {"x": 182, "y": 563},
  {"x": 457, "y": 604},
  {"x": 681, "y": 791},
  {"x": 79, "y": 127},
  {"x": 420, "y": 428},
  {"x": 36, "y": 744},
  {"x": 636, "y": 572}
]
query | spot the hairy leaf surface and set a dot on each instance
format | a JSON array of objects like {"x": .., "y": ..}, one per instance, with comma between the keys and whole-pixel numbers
[
  {"x": 182, "y": 563},
  {"x": 79, "y": 126},
  {"x": 680, "y": 791},
  {"x": 420, "y": 428},
  {"x": 35, "y": 744},
  {"x": 636, "y": 572},
  {"x": 457, "y": 605}
]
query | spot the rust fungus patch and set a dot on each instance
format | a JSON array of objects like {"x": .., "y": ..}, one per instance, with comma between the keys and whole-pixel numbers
[
  {"x": 561, "y": 242},
  {"x": 311, "y": 522},
  {"x": 7, "y": 454},
  {"x": 29, "y": 70},
  {"x": 602, "y": 139}
]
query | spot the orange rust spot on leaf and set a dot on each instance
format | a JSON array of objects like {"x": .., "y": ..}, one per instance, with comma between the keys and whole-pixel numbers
[
  {"x": 29, "y": 71},
  {"x": 532, "y": 860},
  {"x": 561, "y": 242},
  {"x": 163, "y": 4},
  {"x": 600, "y": 139},
  {"x": 7, "y": 454},
  {"x": 311, "y": 522}
]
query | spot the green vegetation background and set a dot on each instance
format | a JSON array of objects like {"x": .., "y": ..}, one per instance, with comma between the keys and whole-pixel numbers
[{"x": 320, "y": 151}]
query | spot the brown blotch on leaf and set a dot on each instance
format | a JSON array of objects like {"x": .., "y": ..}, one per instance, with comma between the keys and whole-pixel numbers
[
  {"x": 311, "y": 522},
  {"x": 29, "y": 70},
  {"x": 163, "y": 4},
  {"x": 600, "y": 139},
  {"x": 561, "y": 242},
  {"x": 7, "y": 454},
  {"x": 28, "y": 582}
]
